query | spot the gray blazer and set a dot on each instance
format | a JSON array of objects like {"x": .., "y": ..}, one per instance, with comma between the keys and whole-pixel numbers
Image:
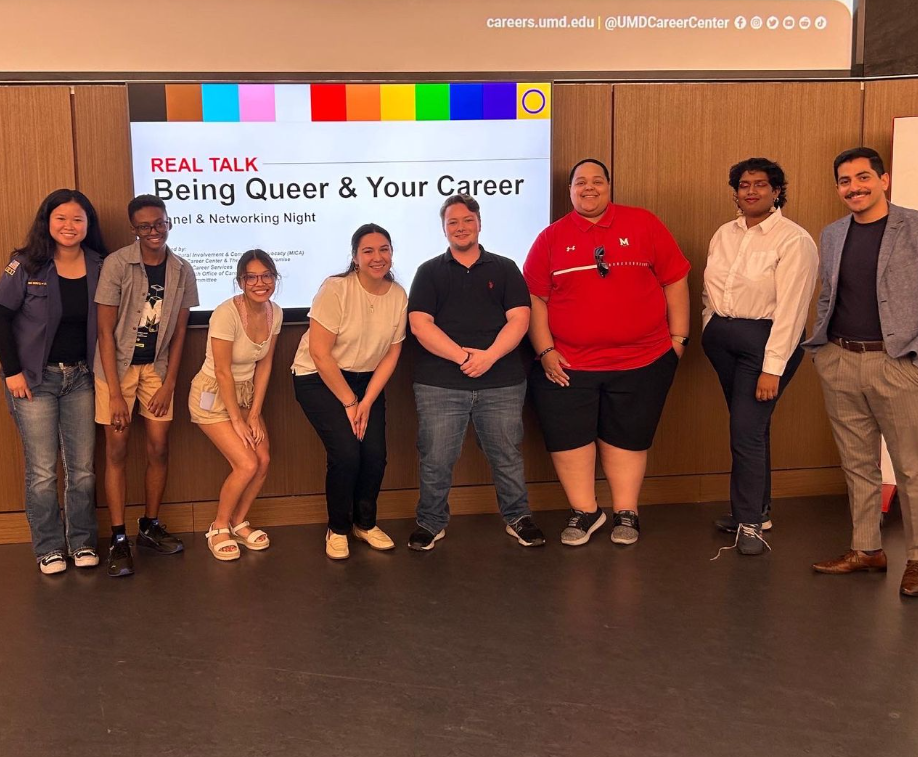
[{"x": 897, "y": 281}]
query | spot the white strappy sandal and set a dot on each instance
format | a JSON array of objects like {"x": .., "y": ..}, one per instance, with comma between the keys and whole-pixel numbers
[
  {"x": 219, "y": 549},
  {"x": 250, "y": 541}
]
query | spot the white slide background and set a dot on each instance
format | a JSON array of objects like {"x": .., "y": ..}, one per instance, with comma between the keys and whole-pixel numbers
[{"x": 309, "y": 251}]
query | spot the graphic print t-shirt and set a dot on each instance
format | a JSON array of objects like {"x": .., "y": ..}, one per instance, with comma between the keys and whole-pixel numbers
[{"x": 150, "y": 315}]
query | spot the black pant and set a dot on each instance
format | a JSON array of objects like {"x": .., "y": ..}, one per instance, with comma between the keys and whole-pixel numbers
[
  {"x": 736, "y": 349},
  {"x": 355, "y": 469}
]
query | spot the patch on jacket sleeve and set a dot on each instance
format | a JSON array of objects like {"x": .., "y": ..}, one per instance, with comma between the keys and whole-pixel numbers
[{"x": 11, "y": 268}]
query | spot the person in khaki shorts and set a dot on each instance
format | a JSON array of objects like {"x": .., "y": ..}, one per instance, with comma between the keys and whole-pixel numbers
[{"x": 144, "y": 295}]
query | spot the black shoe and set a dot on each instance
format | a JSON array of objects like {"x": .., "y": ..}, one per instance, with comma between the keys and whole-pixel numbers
[
  {"x": 157, "y": 538},
  {"x": 727, "y": 523},
  {"x": 423, "y": 540},
  {"x": 580, "y": 527},
  {"x": 749, "y": 539},
  {"x": 526, "y": 532},
  {"x": 120, "y": 559}
]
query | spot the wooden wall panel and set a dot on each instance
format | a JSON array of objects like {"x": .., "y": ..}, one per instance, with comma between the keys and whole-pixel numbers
[
  {"x": 581, "y": 128},
  {"x": 673, "y": 146},
  {"x": 35, "y": 158},
  {"x": 101, "y": 141},
  {"x": 884, "y": 101}
]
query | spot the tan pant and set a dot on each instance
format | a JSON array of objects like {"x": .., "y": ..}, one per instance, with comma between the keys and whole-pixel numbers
[
  {"x": 868, "y": 394},
  {"x": 139, "y": 383}
]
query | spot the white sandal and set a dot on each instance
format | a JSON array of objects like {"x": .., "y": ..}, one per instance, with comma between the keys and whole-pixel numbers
[
  {"x": 250, "y": 541},
  {"x": 218, "y": 549}
]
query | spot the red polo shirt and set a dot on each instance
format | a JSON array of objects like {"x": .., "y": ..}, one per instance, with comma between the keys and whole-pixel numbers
[{"x": 614, "y": 323}]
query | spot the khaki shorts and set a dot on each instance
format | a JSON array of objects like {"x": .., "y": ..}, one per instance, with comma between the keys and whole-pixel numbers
[
  {"x": 206, "y": 389},
  {"x": 140, "y": 382}
]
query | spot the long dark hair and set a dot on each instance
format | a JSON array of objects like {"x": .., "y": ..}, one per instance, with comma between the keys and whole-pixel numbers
[
  {"x": 367, "y": 228},
  {"x": 39, "y": 247}
]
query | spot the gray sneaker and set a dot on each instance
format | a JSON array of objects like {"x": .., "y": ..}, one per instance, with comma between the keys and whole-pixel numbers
[
  {"x": 625, "y": 527},
  {"x": 580, "y": 527}
]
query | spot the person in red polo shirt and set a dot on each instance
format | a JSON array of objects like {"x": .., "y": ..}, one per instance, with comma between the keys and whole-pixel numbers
[{"x": 610, "y": 320}]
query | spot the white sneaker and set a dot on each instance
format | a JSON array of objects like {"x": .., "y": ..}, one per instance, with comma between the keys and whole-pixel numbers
[
  {"x": 86, "y": 557},
  {"x": 52, "y": 563}
]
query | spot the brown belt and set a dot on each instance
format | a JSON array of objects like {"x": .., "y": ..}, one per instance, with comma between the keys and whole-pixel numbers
[{"x": 851, "y": 346}]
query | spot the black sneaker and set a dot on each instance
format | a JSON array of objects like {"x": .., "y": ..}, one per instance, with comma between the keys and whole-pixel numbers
[
  {"x": 749, "y": 539},
  {"x": 580, "y": 527},
  {"x": 526, "y": 532},
  {"x": 423, "y": 540},
  {"x": 120, "y": 559},
  {"x": 626, "y": 527},
  {"x": 727, "y": 523},
  {"x": 157, "y": 538},
  {"x": 52, "y": 563}
]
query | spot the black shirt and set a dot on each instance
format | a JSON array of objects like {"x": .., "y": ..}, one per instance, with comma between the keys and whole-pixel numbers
[
  {"x": 857, "y": 314},
  {"x": 69, "y": 344},
  {"x": 470, "y": 306},
  {"x": 152, "y": 314}
]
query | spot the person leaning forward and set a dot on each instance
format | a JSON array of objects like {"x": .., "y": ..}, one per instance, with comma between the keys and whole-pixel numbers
[
  {"x": 865, "y": 346},
  {"x": 469, "y": 309},
  {"x": 610, "y": 320}
]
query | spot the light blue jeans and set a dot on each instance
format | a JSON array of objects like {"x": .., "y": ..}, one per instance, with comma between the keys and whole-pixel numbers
[
  {"x": 443, "y": 417},
  {"x": 59, "y": 417}
]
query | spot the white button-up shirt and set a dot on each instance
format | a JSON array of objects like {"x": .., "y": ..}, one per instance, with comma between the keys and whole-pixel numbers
[{"x": 766, "y": 272}]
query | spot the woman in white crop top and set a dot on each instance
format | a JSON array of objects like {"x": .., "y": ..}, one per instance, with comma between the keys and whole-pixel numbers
[
  {"x": 227, "y": 396},
  {"x": 357, "y": 325}
]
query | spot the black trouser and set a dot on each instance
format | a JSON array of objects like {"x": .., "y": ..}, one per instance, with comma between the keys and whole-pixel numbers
[
  {"x": 736, "y": 349},
  {"x": 355, "y": 469}
]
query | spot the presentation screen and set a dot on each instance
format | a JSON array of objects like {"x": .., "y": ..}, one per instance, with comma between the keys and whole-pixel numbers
[
  {"x": 411, "y": 38},
  {"x": 904, "y": 169},
  {"x": 294, "y": 169}
]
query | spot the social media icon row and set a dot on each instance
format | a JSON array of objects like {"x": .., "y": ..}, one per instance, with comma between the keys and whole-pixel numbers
[{"x": 788, "y": 22}]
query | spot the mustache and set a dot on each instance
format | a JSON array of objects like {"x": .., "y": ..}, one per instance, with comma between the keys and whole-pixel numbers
[{"x": 859, "y": 193}]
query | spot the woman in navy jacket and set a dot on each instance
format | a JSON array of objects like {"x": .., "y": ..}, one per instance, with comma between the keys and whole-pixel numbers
[{"x": 47, "y": 343}]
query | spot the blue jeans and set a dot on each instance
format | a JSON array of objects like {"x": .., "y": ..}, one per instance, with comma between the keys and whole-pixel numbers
[
  {"x": 59, "y": 417},
  {"x": 443, "y": 417}
]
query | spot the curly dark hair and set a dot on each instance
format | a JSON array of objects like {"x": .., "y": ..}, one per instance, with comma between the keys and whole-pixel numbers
[
  {"x": 39, "y": 247},
  {"x": 772, "y": 170}
]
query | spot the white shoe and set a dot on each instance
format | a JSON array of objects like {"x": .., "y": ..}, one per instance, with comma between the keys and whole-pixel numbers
[
  {"x": 86, "y": 557},
  {"x": 52, "y": 563}
]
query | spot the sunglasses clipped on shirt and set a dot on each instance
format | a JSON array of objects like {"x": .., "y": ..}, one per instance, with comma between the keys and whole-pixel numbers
[{"x": 602, "y": 267}]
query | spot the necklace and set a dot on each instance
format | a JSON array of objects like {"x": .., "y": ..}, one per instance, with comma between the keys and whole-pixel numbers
[{"x": 372, "y": 299}]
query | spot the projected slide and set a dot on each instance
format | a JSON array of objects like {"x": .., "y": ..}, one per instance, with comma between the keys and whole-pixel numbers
[{"x": 295, "y": 169}]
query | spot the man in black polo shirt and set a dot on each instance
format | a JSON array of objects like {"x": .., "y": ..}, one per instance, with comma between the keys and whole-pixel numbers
[{"x": 469, "y": 309}]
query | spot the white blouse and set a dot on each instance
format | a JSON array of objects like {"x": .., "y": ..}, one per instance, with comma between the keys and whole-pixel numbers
[{"x": 766, "y": 272}]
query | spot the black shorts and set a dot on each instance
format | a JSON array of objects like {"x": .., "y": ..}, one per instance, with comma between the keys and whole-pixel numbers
[{"x": 622, "y": 408}]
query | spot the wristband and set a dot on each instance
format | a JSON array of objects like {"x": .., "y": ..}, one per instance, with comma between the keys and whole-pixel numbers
[
  {"x": 544, "y": 352},
  {"x": 351, "y": 404},
  {"x": 468, "y": 356},
  {"x": 683, "y": 340}
]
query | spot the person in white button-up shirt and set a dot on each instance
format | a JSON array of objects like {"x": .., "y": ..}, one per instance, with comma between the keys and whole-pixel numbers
[{"x": 758, "y": 283}]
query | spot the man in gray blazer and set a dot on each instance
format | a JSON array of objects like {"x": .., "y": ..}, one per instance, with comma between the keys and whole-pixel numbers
[{"x": 866, "y": 354}]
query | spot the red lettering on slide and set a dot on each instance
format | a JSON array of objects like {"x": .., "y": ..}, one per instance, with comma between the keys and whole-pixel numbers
[
  {"x": 237, "y": 165},
  {"x": 175, "y": 165}
]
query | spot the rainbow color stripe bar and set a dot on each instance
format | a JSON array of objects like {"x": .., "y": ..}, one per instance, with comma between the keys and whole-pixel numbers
[{"x": 228, "y": 103}]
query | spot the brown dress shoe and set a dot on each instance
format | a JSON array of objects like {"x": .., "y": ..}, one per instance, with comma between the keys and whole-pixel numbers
[
  {"x": 909, "y": 585},
  {"x": 853, "y": 561}
]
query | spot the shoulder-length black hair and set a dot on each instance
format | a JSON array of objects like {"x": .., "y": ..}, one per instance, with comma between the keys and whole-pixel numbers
[
  {"x": 362, "y": 231},
  {"x": 39, "y": 247},
  {"x": 772, "y": 170}
]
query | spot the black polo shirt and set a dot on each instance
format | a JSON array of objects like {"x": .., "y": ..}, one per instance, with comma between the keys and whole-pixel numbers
[{"x": 470, "y": 306}]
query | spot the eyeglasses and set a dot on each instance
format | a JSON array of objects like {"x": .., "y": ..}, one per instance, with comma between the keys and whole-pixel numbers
[
  {"x": 145, "y": 229},
  {"x": 602, "y": 267},
  {"x": 254, "y": 278}
]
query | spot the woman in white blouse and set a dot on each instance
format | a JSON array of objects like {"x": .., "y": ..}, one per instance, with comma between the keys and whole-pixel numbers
[
  {"x": 356, "y": 328},
  {"x": 758, "y": 282},
  {"x": 228, "y": 394}
]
